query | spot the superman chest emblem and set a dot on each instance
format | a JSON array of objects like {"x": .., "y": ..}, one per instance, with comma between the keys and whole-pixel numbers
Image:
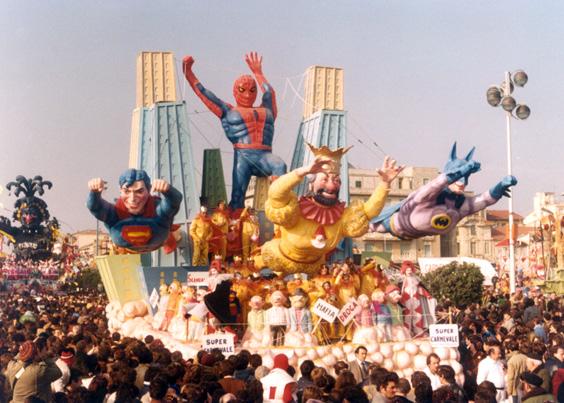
[
  {"x": 137, "y": 235},
  {"x": 441, "y": 221}
]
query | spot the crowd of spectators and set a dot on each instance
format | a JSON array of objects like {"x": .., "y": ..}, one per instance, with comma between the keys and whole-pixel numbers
[{"x": 57, "y": 348}]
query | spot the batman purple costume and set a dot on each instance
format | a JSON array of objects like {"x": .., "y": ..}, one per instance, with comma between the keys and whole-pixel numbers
[{"x": 437, "y": 207}]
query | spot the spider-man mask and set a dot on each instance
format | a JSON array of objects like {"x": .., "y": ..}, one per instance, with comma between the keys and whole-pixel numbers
[{"x": 245, "y": 91}]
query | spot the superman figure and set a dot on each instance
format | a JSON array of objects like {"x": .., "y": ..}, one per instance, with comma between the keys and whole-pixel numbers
[
  {"x": 138, "y": 222},
  {"x": 250, "y": 129}
]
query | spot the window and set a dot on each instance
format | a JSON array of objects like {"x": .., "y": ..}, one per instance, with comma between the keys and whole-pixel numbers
[
  {"x": 472, "y": 248},
  {"x": 400, "y": 183},
  {"x": 458, "y": 248},
  {"x": 425, "y": 181},
  {"x": 369, "y": 246},
  {"x": 405, "y": 248},
  {"x": 473, "y": 230},
  {"x": 486, "y": 247},
  {"x": 427, "y": 250},
  {"x": 358, "y": 184}
]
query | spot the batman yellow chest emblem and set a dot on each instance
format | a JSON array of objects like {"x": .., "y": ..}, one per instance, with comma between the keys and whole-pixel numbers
[{"x": 441, "y": 221}]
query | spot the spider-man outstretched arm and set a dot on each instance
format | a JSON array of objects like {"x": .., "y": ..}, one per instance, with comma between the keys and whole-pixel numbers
[
  {"x": 213, "y": 103},
  {"x": 254, "y": 61}
]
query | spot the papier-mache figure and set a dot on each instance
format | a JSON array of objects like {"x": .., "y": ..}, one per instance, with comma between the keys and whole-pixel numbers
[
  {"x": 250, "y": 129},
  {"x": 174, "y": 296},
  {"x": 163, "y": 301},
  {"x": 220, "y": 219},
  {"x": 365, "y": 331},
  {"x": 201, "y": 232},
  {"x": 197, "y": 317},
  {"x": 277, "y": 318},
  {"x": 256, "y": 333},
  {"x": 300, "y": 320},
  {"x": 138, "y": 222},
  {"x": 372, "y": 278},
  {"x": 250, "y": 231},
  {"x": 313, "y": 225},
  {"x": 178, "y": 324},
  {"x": 437, "y": 207},
  {"x": 382, "y": 316},
  {"x": 419, "y": 304},
  {"x": 393, "y": 297}
]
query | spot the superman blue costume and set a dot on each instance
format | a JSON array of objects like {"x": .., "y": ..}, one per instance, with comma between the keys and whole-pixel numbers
[
  {"x": 250, "y": 129},
  {"x": 144, "y": 229}
]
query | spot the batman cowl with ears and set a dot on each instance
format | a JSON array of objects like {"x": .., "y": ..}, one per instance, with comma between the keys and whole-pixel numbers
[{"x": 437, "y": 207}]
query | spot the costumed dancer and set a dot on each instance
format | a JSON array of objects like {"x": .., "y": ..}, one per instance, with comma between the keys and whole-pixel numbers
[
  {"x": 437, "y": 207},
  {"x": 197, "y": 317},
  {"x": 419, "y": 311},
  {"x": 138, "y": 222},
  {"x": 277, "y": 318},
  {"x": 372, "y": 277},
  {"x": 201, "y": 232},
  {"x": 312, "y": 226},
  {"x": 250, "y": 129},
  {"x": 163, "y": 301}
]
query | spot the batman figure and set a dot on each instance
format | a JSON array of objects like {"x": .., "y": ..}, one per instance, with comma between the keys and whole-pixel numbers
[{"x": 437, "y": 207}]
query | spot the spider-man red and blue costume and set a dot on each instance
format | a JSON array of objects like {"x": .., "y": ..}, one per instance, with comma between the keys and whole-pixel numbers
[{"x": 250, "y": 129}]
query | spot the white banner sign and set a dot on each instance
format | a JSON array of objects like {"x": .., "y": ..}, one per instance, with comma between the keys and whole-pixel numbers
[
  {"x": 197, "y": 278},
  {"x": 222, "y": 341},
  {"x": 444, "y": 335},
  {"x": 325, "y": 310},
  {"x": 348, "y": 311}
]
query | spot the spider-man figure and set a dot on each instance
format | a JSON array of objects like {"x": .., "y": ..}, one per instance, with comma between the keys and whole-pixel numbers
[{"x": 249, "y": 128}]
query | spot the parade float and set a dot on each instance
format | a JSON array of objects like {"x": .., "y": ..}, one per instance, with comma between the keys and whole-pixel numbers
[{"x": 188, "y": 268}]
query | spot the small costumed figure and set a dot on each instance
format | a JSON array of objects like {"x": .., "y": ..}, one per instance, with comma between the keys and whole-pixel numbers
[
  {"x": 214, "y": 274},
  {"x": 201, "y": 232},
  {"x": 322, "y": 276},
  {"x": 256, "y": 324},
  {"x": 243, "y": 289},
  {"x": 220, "y": 219},
  {"x": 365, "y": 331},
  {"x": 197, "y": 317},
  {"x": 174, "y": 296},
  {"x": 296, "y": 283},
  {"x": 419, "y": 311},
  {"x": 393, "y": 297},
  {"x": 372, "y": 278},
  {"x": 178, "y": 324},
  {"x": 346, "y": 285},
  {"x": 383, "y": 319},
  {"x": 300, "y": 320},
  {"x": 250, "y": 231},
  {"x": 277, "y": 318},
  {"x": 235, "y": 307},
  {"x": 159, "y": 316},
  {"x": 327, "y": 331}
]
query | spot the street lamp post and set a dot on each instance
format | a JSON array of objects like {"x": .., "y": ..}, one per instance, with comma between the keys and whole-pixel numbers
[{"x": 501, "y": 95}]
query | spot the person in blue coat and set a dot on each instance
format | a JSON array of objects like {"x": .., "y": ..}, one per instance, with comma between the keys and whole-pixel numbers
[{"x": 138, "y": 222}]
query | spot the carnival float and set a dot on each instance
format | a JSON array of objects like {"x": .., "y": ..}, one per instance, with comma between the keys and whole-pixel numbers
[{"x": 199, "y": 272}]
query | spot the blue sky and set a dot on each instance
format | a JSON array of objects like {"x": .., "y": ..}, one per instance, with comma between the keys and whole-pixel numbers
[{"x": 416, "y": 73}]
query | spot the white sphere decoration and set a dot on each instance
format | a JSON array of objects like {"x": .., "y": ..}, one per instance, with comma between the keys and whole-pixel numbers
[
  {"x": 407, "y": 372},
  {"x": 377, "y": 358},
  {"x": 311, "y": 354},
  {"x": 443, "y": 353},
  {"x": 420, "y": 362},
  {"x": 456, "y": 366},
  {"x": 399, "y": 346},
  {"x": 402, "y": 359},
  {"x": 411, "y": 348},
  {"x": 322, "y": 350},
  {"x": 425, "y": 348},
  {"x": 386, "y": 350},
  {"x": 329, "y": 360},
  {"x": 300, "y": 352},
  {"x": 454, "y": 354},
  {"x": 388, "y": 364},
  {"x": 338, "y": 353},
  {"x": 372, "y": 348},
  {"x": 348, "y": 348},
  {"x": 293, "y": 360}
]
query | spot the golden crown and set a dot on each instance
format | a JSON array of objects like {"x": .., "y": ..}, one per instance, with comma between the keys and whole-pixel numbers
[{"x": 333, "y": 157}]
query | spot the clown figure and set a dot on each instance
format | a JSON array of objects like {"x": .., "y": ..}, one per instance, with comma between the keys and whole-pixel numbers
[
  {"x": 364, "y": 332},
  {"x": 250, "y": 129},
  {"x": 382, "y": 316},
  {"x": 277, "y": 318},
  {"x": 174, "y": 296},
  {"x": 419, "y": 311}
]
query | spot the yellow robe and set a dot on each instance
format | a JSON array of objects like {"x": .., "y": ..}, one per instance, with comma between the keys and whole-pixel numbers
[
  {"x": 200, "y": 232},
  {"x": 293, "y": 251}
]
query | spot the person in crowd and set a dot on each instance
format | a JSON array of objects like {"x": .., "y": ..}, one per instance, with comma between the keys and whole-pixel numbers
[
  {"x": 359, "y": 366},
  {"x": 430, "y": 370},
  {"x": 491, "y": 369}
]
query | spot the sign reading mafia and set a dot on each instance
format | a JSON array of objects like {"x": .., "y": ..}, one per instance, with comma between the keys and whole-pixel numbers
[
  {"x": 444, "y": 335},
  {"x": 325, "y": 310}
]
